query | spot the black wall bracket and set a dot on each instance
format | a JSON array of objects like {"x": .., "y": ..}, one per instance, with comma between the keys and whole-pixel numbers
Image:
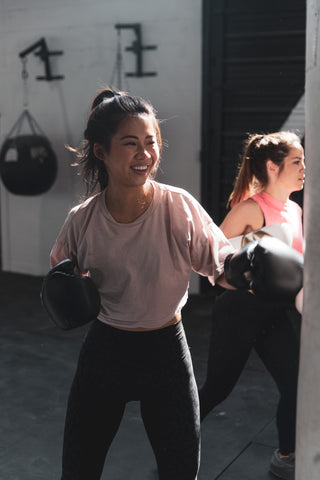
[
  {"x": 137, "y": 48},
  {"x": 40, "y": 49}
]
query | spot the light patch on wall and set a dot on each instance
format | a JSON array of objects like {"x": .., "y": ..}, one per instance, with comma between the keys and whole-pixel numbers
[{"x": 296, "y": 119}]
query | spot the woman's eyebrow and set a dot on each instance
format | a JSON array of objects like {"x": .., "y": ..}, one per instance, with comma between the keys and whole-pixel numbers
[{"x": 135, "y": 137}]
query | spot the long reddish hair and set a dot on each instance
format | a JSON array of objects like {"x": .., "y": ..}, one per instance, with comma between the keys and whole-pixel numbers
[{"x": 252, "y": 173}]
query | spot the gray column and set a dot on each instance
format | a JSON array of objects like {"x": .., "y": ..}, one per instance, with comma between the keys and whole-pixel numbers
[{"x": 308, "y": 418}]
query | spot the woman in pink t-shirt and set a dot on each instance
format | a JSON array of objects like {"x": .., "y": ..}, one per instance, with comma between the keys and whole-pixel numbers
[
  {"x": 272, "y": 168},
  {"x": 139, "y": 240}
]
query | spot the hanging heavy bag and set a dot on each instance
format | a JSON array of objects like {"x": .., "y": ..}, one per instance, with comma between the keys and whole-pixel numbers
[{"x": 28, "y": 164}]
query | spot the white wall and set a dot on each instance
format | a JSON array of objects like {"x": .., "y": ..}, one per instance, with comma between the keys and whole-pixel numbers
[{"x": 84, "y": 30}]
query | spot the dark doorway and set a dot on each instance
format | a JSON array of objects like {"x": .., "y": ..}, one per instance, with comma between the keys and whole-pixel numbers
[{"x": 253, "y": 76}]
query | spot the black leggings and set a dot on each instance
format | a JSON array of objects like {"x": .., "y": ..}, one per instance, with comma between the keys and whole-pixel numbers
[
  {"x": 117, "y": 366},
  {"x": 241, "y": 322}
]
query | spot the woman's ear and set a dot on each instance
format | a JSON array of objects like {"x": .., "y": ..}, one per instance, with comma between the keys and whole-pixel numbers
[
  {"x": 99, "y": 152},
  {"x": 272, "y": 168}
]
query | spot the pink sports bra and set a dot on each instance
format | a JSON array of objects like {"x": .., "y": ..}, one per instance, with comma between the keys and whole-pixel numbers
[{"x": 277, "y": 212}]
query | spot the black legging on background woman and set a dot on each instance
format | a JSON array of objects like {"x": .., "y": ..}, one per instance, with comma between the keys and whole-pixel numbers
[{"x": 242, "y": 322}]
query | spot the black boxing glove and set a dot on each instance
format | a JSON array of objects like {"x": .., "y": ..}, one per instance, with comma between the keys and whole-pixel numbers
[
  {"x": 237, "y": 266},
  {"x": 276, "y": 270},
  {"x": 70, "y": 300}
]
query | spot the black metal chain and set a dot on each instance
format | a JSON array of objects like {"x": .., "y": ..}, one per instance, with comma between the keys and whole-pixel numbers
[
  {"x": 118, "y": 67},
  {"x": 25, "y": 115},
  {"x": 25, "y": 75}
]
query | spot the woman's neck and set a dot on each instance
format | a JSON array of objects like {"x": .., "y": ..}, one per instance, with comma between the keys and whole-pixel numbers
[
  {"x": 278, "y": 193},
  {"x": 127, "y": 204}
]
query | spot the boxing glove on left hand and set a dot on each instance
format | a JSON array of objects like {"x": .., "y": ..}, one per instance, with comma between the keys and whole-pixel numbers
[
  {"x": 276, "y": 271},
  {"x": 70, "y": 300}
]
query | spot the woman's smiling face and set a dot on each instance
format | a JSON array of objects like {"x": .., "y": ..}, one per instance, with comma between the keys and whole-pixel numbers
[{"x": 134, "y": 152}]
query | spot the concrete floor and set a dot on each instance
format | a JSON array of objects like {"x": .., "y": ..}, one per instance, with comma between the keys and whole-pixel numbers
[{"x": 37, "y": 363}]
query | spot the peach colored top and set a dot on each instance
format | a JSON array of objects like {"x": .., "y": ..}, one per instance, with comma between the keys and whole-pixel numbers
[
  {"x": 142, "y": 269},
  {"x": 276, "y": 212}
]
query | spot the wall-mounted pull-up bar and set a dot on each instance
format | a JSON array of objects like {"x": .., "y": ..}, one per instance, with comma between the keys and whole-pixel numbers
[
  {"x": 137, "y": 48},
  {"x": 40, "y": 49}
]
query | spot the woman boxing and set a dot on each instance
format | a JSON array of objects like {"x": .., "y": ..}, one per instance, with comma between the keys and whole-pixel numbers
[
  {"x": 139, "y": 240},
  {"x": 272, "y": 168}
]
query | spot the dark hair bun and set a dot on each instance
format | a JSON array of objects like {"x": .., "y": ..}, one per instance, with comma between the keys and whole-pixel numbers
[{"x": 105, "y": 94}]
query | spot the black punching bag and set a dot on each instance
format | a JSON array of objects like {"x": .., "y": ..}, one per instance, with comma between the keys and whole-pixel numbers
[{"x": 28, "y": 164}]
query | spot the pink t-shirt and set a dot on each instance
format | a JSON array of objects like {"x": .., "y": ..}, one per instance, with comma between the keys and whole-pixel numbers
[
  {"x": 276, "y": 212},
  {"x": 142, "y": 269}
]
